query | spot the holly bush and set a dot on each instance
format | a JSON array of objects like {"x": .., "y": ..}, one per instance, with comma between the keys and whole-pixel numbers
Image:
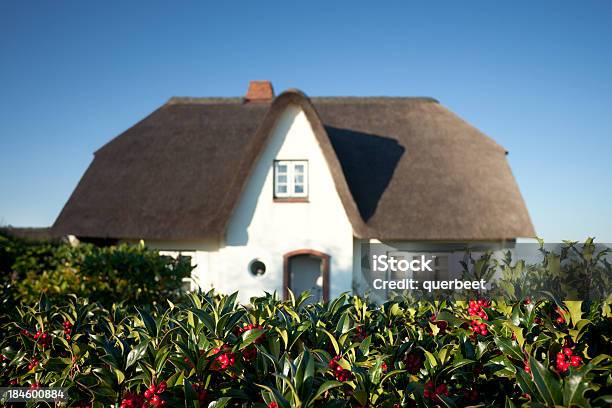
[{"x": 209, "y": 351}]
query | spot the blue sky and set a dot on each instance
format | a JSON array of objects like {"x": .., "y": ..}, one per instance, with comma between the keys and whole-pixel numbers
[{"x": 536, "y": 76}]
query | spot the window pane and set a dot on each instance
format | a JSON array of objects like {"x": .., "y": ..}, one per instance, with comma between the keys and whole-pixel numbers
[{"x": 290, "y": 178}]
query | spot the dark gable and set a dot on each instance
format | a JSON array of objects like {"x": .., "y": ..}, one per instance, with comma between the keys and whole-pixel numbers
[{"x": 405, "y": 168}]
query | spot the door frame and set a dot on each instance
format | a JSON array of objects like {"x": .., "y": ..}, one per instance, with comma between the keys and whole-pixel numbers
[{"x": 324, "y": 270}]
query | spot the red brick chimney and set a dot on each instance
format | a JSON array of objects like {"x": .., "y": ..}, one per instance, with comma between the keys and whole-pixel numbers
[{"x": 259, "y": 91}]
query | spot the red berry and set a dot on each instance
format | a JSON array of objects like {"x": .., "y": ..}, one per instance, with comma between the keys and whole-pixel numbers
[
  {"x": 567, "y": 351},
  {"x": 431, "y": 393},
  {"x": 562, "y": 366},
  {"x": 156, "y": 401},
  {"x": 575, "y": 361},
  {"x": 249, "y": 353},
  {"x": 33, "y": 363},
  {"x": 161, "y": 387}
]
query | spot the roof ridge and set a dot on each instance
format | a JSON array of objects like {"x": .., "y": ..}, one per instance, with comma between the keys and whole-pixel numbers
[
  {"x": 374, "y": 98},
  {"x": 177, "y": 100}
]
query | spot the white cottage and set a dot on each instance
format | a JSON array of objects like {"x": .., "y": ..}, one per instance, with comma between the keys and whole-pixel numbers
[{"x": 267, "y": 193}]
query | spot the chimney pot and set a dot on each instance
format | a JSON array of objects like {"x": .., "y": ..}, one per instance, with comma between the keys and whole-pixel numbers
[{"x": 259, "y": 91}]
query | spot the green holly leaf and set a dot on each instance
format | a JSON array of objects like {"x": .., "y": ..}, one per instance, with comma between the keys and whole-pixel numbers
[{"x": 546, "y": 382}]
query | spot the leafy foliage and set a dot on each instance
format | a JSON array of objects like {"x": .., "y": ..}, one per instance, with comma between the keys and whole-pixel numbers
[
  {"x": 572, "y": 271},
  {"x": 211, "y": 351},
  {"x": 115, "y": 342},
  {"x": 125, "y": 273}
]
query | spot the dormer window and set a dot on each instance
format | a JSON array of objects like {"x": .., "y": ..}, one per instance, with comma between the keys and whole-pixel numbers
[{"x": 290, "y": 178}]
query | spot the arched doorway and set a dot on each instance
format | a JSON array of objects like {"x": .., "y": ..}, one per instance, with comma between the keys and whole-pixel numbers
[{"x": 306, "y": 269}]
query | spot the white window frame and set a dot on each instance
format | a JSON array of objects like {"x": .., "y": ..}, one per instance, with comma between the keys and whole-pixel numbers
[{"x": 291, "y": 165}]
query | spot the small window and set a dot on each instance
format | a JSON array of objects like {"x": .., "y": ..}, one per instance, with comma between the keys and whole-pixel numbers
[
  {"x": 257, "y": 268},
  {"x": 290, "y": 178}
]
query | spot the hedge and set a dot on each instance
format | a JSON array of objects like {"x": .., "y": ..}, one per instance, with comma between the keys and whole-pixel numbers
[
  {"x": 131, "y": 274},
  {"x": 211, "y": 351}
]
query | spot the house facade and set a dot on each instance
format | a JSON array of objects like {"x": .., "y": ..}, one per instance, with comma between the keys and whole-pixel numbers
[{"x": 270, "y": 193}]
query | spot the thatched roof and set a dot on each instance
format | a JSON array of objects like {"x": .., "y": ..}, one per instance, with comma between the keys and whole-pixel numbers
[
  {"x": 405, "y": 168},
  {"x": 30, "y": 233}
]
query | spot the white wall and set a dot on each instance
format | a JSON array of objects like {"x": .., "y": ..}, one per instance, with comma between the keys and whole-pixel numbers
[
  {"x": 198, "y": 251},
  {"x": 263, "y": 229}
]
